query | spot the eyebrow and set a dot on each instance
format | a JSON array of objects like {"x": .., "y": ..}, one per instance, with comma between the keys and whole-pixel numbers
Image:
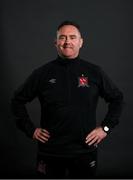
[{"x": 71, "y": 35}]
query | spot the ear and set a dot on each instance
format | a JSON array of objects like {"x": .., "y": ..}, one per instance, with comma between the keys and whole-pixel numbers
[
  {"x": 55, "y": 42},
  {"x": 81, "y": 42}
]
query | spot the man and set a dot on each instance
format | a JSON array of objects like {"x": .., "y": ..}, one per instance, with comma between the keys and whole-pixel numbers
[{"x": 68, "y": 89}]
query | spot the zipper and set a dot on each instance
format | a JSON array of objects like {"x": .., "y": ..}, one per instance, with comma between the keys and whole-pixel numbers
[{"x": 68, "y": 85}]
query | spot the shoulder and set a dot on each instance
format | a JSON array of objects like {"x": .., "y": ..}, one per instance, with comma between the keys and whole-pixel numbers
[
  {"x": 43, "y": 69},
  {"x": 45, "y": 66},
  {"x": 91, "y": 66}
]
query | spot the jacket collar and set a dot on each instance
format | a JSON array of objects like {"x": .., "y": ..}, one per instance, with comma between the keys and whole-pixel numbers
[{"x": 66, "y": 61}]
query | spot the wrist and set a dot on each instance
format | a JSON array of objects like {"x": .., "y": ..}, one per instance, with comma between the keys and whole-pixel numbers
[{"x": 106, "y": 129}]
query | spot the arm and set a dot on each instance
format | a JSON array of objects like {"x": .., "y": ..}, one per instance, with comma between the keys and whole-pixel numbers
[
  {"x": 114, "y": 99},
  {"x": 24, "y": 94}
]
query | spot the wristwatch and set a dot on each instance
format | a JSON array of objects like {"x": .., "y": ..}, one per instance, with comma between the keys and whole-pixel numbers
[{"x": 106, "y": 129}]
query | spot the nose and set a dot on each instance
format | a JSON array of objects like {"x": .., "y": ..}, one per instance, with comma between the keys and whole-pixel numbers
[{"x": 67, "y": 40}]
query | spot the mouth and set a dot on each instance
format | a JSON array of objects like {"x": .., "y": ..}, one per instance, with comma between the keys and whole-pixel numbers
[{"x": 67, "y": 47}]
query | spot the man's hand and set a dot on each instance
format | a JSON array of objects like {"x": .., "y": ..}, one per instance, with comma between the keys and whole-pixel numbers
[
  {"x": 95, "y": 136},
  {"x": 41, "y": 135}
]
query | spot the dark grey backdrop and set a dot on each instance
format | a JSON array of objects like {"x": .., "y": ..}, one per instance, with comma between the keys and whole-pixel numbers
[{"x": 27, "y": 35}]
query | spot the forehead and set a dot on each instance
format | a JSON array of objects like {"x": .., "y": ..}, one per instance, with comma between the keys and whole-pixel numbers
[{"x": 68, "y": 29}]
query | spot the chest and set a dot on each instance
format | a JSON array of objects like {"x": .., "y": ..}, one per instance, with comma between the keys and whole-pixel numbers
[{"x": 71, "y": 85}]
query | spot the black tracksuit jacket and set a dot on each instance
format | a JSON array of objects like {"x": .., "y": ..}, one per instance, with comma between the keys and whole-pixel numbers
[{"x": 68, "y": 91}]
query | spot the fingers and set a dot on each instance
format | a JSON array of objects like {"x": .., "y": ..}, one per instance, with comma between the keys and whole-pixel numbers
[
  {"x": 41, "y": 134},
  {"x": 95, "y": 136},
  {"x": 91, "y": 139},
  {"x": 45, "y": 131}
]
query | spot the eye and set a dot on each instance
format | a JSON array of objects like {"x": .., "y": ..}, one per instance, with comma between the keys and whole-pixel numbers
[
  {"x": 73, "y": 37},
  {"x": 62, "y": 37}
]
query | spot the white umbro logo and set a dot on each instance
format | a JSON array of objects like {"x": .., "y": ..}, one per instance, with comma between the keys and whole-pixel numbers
[
  {"x": 92, "y": 163},
  {"x": 53, "y": 81}
]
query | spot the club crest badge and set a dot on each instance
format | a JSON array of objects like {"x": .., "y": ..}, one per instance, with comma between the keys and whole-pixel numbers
[{"x": 83, "y": 81}]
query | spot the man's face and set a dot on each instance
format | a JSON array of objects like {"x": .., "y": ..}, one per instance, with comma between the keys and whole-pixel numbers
[{"x": 68, "y": 42}]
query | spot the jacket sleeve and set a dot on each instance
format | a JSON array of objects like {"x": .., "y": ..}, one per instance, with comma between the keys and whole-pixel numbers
[
  {"x": 24, "y": 94},
  {"x": 113, "y": 97}
]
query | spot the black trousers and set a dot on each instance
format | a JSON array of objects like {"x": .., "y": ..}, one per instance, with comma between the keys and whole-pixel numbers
[{"x": 82, "y": 167}]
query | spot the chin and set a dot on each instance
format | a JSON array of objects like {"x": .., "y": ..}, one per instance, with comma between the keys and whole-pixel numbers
[{"x": 68, "y": 55}]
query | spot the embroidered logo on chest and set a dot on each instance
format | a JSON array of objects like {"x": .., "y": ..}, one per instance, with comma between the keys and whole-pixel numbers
[
  {"x": 52, "y": 81},
  {"x": 83, "y": 81}
]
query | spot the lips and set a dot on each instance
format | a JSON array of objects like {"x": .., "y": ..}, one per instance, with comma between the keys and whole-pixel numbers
[{"x": 67, "y": 47}]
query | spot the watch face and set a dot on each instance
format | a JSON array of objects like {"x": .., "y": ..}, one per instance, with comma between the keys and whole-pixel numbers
[{"x": 106, "y": 128}]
